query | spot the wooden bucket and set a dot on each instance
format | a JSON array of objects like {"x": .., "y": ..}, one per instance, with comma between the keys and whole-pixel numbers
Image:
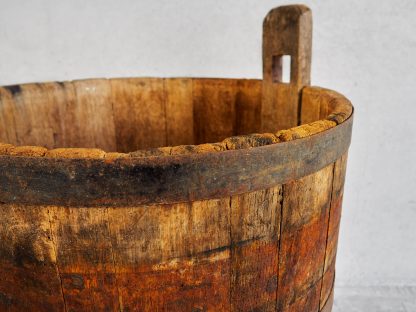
[{"x": 249, "y": 223}]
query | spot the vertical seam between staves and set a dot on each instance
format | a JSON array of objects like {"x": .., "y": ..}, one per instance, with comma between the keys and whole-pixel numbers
[
  {"x": 56, "y": 260},
  {"x": 119, "y": 296},
  {"x": 327, "y": 234},
  {"x": 279, "y": 239},
  {"x": 114, "y": 115},
  {"x": 231, "y": 255},
  {"x": 194, "y": 130},
  {"x": 299, "y": 121},
  {"x": 165, "y": 94}
]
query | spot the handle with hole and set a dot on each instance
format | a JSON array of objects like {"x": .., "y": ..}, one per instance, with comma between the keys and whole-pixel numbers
[{"x": 287, "y": 31}]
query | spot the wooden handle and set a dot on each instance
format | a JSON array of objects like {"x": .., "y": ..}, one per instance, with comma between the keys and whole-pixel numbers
[{"x": 287, "y": 30}]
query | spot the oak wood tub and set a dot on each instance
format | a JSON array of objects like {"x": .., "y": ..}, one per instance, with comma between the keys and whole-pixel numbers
[{"x": 173, "y": 221}]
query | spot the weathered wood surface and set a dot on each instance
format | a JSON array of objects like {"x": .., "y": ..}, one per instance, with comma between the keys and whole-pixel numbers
[
  {"x": 139, "y": 113},
  {"x": 254, "y": 251},
  {"x": 129, "y": 114},
  {"x": 287, "y": 30},
  {"x": 78, "y": 114},
  {"x": 306, "y": 205},
  {"x": 30, "y": 279},
  {"x": 329, "y": 303},
  {"x": 319, "y": 103},
  {"x": 255, "y": 222},
  {"x": 154, "y": 194},
  {"x": 179, "y": 111},
  {"x": 333, "y": 228}
]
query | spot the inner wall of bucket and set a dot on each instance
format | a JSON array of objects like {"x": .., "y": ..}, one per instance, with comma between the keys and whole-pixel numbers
[{"x": 125, "y": 115}]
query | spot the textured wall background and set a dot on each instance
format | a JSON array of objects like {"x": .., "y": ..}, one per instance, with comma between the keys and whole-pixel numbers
[{"x": 363, "y": 48}]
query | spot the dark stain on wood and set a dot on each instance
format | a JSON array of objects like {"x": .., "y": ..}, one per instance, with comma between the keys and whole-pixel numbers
[{"x": 14, "y": 89}]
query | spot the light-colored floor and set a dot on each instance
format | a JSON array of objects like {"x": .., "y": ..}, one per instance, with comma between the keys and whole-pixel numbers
[{"x": 375, "y": 299}]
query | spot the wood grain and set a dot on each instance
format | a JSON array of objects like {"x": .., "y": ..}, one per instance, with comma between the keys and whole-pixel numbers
[
  {"x": 75, "y": 118},
  {"x": 61, "y": 102},
  {"x": 7, "y": 115},
  {"x": 139, "y": 113},
  {"x": 93, "y": 115},
  {"x": 213, "y": 255},
  {"x": 214, "y": 109},
  {"x": 320, "y": 103},
  {"x": 306, "y": 204},
  {"x": 287, "y": 30},
  {"x": 85, "y": 259},
  {"x": 333, "y": 227},
  {"x": 255, "y": 221},
  {"x": 313, "y": 107},
  {"x": 36, "y": 120},
  {"x": 248, "y": 106},
  {"x": 172, "y": 256},
  {"x": 30, "y": 278},
  {"x": 179, "y": 111},
  {"x": 329, "y": 303}
]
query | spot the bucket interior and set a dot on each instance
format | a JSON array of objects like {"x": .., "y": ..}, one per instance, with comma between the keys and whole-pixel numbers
[{"x": 129, "y": 114}]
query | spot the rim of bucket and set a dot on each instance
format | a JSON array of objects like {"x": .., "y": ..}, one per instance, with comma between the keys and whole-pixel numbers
[
  {"x": 340, "y": 111},
  {"x": 91, "y": 177}
]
